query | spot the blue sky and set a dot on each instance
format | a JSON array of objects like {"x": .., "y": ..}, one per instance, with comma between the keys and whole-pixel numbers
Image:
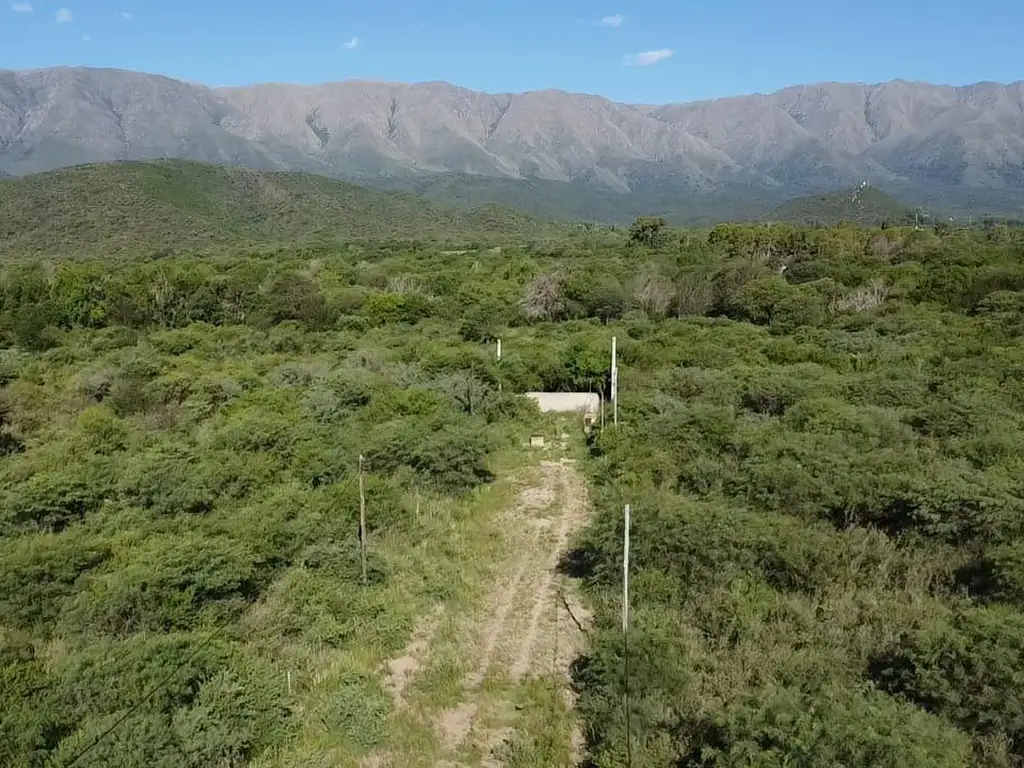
[{"x": 646, "y": 51}]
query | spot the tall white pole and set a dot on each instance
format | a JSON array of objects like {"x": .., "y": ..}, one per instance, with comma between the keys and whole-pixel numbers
[
  {"x": 499, "y": 350},
  {"x": 615, "y": 384},
  {"x": 615, "y": 402},
  {"x": 614, "y": 368}
]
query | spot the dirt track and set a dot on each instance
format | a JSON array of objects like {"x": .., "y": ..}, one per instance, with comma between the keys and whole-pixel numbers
[{"x": 522, "y": 630}]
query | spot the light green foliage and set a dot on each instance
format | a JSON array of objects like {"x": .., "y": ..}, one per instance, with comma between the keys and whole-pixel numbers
[{"x": 823, "y": 461}]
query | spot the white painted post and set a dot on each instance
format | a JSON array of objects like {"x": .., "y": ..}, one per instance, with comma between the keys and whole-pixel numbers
[
  {"x": 499, "y": 350},
  {"x": 615, "y": 402},
  {"x": 615, "y": 384}
]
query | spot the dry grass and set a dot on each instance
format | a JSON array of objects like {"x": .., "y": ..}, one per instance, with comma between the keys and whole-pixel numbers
[{"x": 864, "y": 298}]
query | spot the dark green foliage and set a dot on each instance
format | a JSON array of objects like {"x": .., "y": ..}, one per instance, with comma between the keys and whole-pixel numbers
[
  {"x": 773, "y": 301},
  {"x": 39, "y": 575},
  {"x": 171, "y": 583},
  {"x": 30, "y": 327},
  {"x": 294, "y": 296},
  {"x": 383, "y": 308},
  {"x": 1003, "y": 573},
  {"x": 648, "y": 231},
  {"x": 970, "y": 671},
  {"x": 787, "y": 726},
  {"x": 862, "y": 205},
  {"x": 448, "y": 454},
  {"x": 160, "y": 207}
]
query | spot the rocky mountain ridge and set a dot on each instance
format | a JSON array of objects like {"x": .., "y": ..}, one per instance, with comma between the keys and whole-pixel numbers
[{"x": 802, "y": 138}]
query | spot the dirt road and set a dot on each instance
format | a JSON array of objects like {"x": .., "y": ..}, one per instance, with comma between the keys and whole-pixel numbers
[{"x": 516, "y": 644}]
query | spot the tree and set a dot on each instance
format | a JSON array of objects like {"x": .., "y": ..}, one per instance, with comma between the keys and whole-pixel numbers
[
  {"x": 648, "y": 231},
  {"x": 543, "y": 298},
  {"x": 31, "y": 327},
  {"x": 292, "y": 296}
]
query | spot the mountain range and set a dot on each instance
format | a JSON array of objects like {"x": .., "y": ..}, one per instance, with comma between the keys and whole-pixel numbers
[{"x": 932, "y": 144}]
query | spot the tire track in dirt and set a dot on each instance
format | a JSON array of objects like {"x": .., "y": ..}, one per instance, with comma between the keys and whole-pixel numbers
[
  {"x": 523, "y": 628},
  {"x": 403, "y": 668},
  {"x": 518, "y": 634}
]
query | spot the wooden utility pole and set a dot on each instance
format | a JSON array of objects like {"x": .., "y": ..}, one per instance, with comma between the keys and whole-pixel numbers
[{"x": 362, "y": 518}]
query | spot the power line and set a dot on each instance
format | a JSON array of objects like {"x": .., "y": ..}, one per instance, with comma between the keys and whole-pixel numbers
[{"x": 163, "y": 682}]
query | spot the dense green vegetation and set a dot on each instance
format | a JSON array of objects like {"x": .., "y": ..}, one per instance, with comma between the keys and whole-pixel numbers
[
  {"x": 828, "y": 520},
  {"x": 585, "y": 199},
  {"x": 137, "y": 208},
  {"x": 828, "y": 536},
  {"x": 179, "y": 494},
  {"x": 867, "y": 206}
]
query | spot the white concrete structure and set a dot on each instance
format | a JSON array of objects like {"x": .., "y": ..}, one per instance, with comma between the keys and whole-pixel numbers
[{"x": 587, "y": 403}]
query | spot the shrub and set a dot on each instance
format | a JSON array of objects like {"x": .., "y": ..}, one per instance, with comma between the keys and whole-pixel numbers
[
  {"x": 39, "y": 574},
  {"x": 786, "y": 726},
  {"x": 970, "y": 671},
  {"x": 385, "y": 308},
  {"x": 171, "y": 582},
  {"x": 447, "y": 454}
]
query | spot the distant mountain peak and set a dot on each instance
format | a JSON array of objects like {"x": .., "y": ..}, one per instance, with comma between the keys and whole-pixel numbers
[{"x": 798, "y": 140}]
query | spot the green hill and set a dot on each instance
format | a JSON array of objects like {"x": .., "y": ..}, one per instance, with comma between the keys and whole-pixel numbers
[
  {"x": 140, "y": 207},
  {"x": 584, "y": 200},
  {"x": 865, "y": 205}
]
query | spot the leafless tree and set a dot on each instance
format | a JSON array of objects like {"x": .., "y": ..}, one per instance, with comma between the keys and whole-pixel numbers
[
  {"x": 404, "y": 284},
  {"x": 866, "y": 297},
  {"x": 653, "y": 294},
  {"x": 467, "y": 390},
  {"x": 882, "y": 245},
  {"x": 543, "y": 299}
]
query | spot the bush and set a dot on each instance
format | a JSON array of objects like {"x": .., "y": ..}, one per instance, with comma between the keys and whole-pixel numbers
[
  {"x": 1003, "y": 569},
  {"x": 772, "y": 301},
  {"x": 447, "y": 454},
  {"x": 51, "y": 499},
  {"x": 785, "y": 726},
  {"x": 170, "y": 583},
  {"x": 384, "y": 308},
  {"x": 40, "y": 574},
  {"x": 970, "y": 671}
]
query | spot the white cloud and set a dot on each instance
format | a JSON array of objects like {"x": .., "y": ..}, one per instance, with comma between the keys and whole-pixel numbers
[
  {"x": 86, "y": 38},
  {"x": 64, "y": 16},
  {"x": 353, "y": 43},
  {"x": 646, "y": 58},
  {"x": 125, "y": 15},
  {"x": 612, "y": 21},
  {"x": 21, "y": 7}
]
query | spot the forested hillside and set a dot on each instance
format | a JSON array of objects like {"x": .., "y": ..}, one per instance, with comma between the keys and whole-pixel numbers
[
  {"x": 819, "y": 434},
  {"x": 142, "y": 208},
  {"x": 864, "y": 205}
]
